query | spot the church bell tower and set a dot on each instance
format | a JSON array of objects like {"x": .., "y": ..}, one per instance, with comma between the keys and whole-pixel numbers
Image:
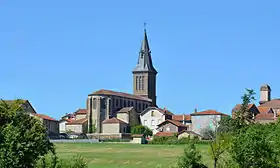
[{"x": 144, "y": 74}]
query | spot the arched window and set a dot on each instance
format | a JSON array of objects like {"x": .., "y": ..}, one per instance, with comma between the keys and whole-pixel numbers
[
  {"x": 152, "y": 113},
  {"x": 94, "y": 103}
]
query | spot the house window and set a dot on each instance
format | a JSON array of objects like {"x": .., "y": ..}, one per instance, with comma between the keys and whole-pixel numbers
[
  {"x": 153, "y": 122},
  {"x": 167, "y": 129},
  {"x": 142, "y": 82},
  {"x": 145, "y": 122},
  {"x": 152, "y": 113},
  {"x": 124, "y": 103},
  {"x": 121, "y": 102}
]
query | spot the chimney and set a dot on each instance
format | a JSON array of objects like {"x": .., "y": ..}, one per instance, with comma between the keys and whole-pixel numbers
[
  {"x": 184, "y": 119},
  {"x": 195, "y": 110}
]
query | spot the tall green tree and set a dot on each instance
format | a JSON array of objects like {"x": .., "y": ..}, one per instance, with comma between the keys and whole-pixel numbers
[
  {"x": 23, "y": 139},
  {"x": 243, "y": 117},
  {"x": 140, "y": 129}
]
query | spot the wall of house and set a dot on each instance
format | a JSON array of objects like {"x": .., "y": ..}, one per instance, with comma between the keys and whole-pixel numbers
[
  {"x": 80, "y": 116},
  {"x": 169, "y": 128},
  {"x": 78, "y": 128},
  {"x": 53, "y": 126},
  {"x": 62, "y": 126},
  {"x": 151, "y": 119},
  {"x": 111, "y": 128},
  {"x": 123, "y": 116},
  {"x": 200, "y": 122}
]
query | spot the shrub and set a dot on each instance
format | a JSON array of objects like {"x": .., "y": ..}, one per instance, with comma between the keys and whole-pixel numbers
[
  {"x": 140, "y": 129},
  {"x": 191, "y": 158},
  {"x": 51, "y": 161}
]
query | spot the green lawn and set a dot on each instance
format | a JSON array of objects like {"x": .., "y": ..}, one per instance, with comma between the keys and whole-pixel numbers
[{"x": 111, "y": 155}]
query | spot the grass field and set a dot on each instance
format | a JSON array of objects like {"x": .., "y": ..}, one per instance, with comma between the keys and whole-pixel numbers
[{"x": 111, "y": 155}]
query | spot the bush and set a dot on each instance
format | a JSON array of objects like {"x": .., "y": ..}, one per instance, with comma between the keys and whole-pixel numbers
[
  {"x": 191, "y": 158},
  {"x": 51, "y": 161},
  {"x": 140, "y": 129}
]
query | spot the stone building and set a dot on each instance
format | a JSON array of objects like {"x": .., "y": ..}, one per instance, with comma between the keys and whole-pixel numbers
[{"x": 104, "y": 104}]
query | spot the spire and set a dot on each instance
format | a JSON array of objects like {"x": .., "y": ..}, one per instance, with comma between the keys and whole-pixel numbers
[{"x": 145, "y": 62}]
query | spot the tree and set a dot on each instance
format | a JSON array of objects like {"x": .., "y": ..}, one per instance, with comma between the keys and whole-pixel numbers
[
  {"x": 251, "y": 148},
  {"x": 23, "y": 139},
  {"x": 191, "y": 158},
  {"x": 243, "y": 117},
  {"x": 140, "y": 129},
  {"x": 226, "y": 125}
]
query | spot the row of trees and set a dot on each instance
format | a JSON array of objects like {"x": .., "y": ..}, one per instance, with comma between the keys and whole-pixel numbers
[{"x": 239, "y": 142}]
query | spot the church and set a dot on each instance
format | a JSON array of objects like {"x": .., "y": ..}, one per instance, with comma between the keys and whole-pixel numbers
[{"x": 105, "y": 104}]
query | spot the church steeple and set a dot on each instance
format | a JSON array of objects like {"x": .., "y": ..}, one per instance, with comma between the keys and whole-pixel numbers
[
  {"x": 145, "y": 62},
  {"x": 144, "y": 74}
]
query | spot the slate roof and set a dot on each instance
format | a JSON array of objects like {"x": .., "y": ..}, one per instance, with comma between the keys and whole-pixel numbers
[
  {"x": 120, "y": 94},
  {"x": 145, "y": 62}
]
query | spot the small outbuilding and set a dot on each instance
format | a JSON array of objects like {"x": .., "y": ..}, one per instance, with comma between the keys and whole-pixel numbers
[{"x": 138, "y": 139}]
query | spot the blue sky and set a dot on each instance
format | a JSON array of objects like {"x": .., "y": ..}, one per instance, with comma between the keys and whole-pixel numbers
[{"x": 55, "y": 53}]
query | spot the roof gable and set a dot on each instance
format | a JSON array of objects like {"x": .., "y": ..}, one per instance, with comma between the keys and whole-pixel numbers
[
  {"x": 77, "y": 122},
  {"x": 162, "y": 111},
  {"x": 81, "y": 112},
  {"x": 176, "y": 123}
]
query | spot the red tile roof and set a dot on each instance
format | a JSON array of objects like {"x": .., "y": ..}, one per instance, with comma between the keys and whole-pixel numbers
[
  {"x": 209, "y": 112},
  {"x": 181, "y": 117},
  {"x": 77, "y": 122},
  {"x": 275, "y": 103},
  {"x": 45, "y": 117},
  {"x": 120, "y": 94},
  {"x": 265, "y": 116},
  {"x": 165, "y": 134},
  {"x": 81, "y": 111},
  {"x": 113, "y": 120},
  {"x": 176, "y": 123},
  {"x": 264, "y": 109}
]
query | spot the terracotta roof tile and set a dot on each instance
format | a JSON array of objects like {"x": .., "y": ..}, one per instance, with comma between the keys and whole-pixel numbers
[
  {"x": 44, "y": 117},
  {"x": 176, "y": 123},
  {"x": 264, "y": 116},
  {"x": 113, "y": 120},
  {"x": 81, "y": 111},
  {"x": 165, "y": 134},
  {"x": 120, "y": 94},
  {"x": 264, "y": 109},
  {"x": 181, "y": 117},
  {"x": 208, "y": 112},
  {"x": 77, "y": 122},
  {"x": 275, "y": 103}
]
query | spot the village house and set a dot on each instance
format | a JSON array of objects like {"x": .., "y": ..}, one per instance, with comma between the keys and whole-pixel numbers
[
  {"x": 49, "y": 123},
  {"x": 268, "y": 110},
  {"x": 77, "y": 126},
  {"x": 152, "y": 116},
  {"x": 205, "y": 120}
]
